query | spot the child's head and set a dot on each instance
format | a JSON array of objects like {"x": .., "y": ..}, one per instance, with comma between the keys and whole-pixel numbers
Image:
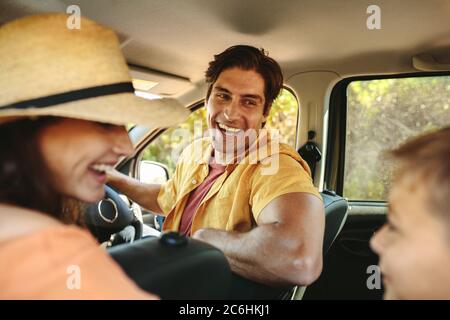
[{"x": 414, "y": 246}]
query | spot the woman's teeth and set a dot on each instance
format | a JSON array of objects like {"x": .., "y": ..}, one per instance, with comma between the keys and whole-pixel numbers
[
  {"x": 102, "y": 167},
  {"x": 228, "y": 129}
]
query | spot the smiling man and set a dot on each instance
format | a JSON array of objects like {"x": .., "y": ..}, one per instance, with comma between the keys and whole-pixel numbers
[
  {"x": 269, "y": 225},
  {"x": 235, "y": 105}
]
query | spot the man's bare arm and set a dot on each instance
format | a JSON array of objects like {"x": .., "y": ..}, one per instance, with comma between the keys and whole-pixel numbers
[
  {"x": 285, "y": 247},
  {"x": 142, "y": 193}
]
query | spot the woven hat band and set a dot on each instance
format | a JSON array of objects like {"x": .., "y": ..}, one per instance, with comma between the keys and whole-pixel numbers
[{"x": 74, "y": 95}]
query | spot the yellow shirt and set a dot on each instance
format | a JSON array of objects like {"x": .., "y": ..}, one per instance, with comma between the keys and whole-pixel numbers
[{"x": 238, "y": 196}]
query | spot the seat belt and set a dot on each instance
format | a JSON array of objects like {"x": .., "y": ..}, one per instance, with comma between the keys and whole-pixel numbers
[{"x": 310, "y": 152}]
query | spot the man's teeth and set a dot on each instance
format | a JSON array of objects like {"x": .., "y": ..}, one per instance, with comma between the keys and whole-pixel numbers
[
  {"x": 228, "y": 129},
  {"x": 102, "y": 167}
]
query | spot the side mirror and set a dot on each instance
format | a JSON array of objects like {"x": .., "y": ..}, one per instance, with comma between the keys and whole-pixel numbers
[{"x": 153, "y": 172}]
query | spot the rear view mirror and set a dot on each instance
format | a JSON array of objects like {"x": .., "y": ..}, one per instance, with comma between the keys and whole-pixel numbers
[{"x": 153, "y": 172}]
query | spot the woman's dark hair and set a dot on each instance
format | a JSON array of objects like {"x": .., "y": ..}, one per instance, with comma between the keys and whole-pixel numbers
[
  {"x": 25, "y": 179},
  {"x": 248, "y": 58}
]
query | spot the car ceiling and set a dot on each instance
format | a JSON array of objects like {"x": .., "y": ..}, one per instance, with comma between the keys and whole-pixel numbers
[{"x": 177, "y": 38}]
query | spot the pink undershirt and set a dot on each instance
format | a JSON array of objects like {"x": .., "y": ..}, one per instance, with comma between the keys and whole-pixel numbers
[{"x": 196, "y": 197}]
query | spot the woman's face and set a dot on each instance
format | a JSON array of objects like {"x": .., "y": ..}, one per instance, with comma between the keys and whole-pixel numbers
[{"x": 78, "y": 153}]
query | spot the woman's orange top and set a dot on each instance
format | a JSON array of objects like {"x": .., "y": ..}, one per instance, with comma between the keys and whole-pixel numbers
[{"x": 62, "y": 262}]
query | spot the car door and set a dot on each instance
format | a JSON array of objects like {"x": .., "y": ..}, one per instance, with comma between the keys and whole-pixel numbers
[{"x": 369, "y": 115}]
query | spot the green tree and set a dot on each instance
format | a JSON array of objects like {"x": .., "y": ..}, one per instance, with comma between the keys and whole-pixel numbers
[{"x": 382, "y": 114}]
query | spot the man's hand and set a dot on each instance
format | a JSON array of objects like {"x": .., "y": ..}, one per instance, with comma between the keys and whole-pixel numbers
[
  {"x": 114, "y": 177},
  {"x": 285, "y": 247},
  {"x": 142, "y": 193}
]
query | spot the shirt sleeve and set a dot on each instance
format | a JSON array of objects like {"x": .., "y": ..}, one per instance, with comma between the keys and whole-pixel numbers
[
  {"x": 291, "y": 176},
  {"x": 167, "y": 195}
]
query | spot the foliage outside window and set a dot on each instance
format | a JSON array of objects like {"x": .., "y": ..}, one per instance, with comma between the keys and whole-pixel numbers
[
  {"x": 382, "y": 114},
  {"x": 283, "y": 116}
]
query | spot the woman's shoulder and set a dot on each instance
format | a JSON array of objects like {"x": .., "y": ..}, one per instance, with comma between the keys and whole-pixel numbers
[
  {"x": 17, "y": 222},
  {"x": 24, "y": 229},
  {"x": 38, "y": 263}
]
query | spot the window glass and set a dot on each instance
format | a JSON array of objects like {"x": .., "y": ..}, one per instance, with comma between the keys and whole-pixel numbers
[{"x": 382, "y": 114}]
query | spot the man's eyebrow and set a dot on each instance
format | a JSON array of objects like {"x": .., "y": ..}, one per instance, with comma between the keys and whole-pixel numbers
[
  {"x": 249, "y": 95},
  {"x": 218, "y": 88},
  {"x": 253, "y": 96}
]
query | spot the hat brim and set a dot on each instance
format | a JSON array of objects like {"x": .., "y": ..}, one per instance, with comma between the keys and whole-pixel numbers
[{"x": 120, "y": 109}]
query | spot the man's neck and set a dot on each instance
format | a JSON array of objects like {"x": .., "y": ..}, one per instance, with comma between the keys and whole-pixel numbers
[{"x": 224, "y": 159}]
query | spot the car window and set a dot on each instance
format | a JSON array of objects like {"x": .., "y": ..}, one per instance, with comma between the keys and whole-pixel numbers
[
  {"x": 382, "y": 114},
  {"x": 167, "y": 146}
]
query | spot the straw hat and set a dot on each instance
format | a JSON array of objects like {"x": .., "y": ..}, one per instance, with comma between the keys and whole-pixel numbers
[{"x": 48, "y": 69}]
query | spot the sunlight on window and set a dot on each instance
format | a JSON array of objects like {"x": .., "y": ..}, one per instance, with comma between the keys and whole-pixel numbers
[{"x": 147, "y": 95}]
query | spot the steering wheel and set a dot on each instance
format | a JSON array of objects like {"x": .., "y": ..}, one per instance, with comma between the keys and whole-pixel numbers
[{"x": 112, "y": 215}]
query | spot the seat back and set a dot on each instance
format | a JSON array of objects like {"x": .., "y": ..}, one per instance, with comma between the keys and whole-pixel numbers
[
  {"x": 336, "y": 209},
  {"x": 335, "y": 216},
  {"x": 175, "y": 267}
]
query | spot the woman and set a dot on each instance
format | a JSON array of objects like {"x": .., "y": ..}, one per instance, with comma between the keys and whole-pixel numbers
[{"x": 66, "y": 96}]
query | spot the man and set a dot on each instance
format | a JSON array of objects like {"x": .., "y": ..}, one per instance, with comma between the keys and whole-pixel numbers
[
  {"x": 269, "y": 224},
  {"x": 414, "y": 245}
]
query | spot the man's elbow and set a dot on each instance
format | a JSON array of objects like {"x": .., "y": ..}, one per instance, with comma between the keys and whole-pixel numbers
[{"x": 306, "y": 269}]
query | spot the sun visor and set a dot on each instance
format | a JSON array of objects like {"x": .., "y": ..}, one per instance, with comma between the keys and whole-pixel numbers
[{"x": 158, "y": 83}]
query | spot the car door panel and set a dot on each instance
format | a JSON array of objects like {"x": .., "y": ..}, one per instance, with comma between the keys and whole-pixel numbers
[{"x": 345, "y": 272}]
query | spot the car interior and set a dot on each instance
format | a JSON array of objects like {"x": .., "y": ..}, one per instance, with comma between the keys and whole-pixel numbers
[{"x": 327, "y": 50}]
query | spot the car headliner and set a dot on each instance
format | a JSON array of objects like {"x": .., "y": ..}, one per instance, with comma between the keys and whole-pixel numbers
[{"x": 175, "y": 39}]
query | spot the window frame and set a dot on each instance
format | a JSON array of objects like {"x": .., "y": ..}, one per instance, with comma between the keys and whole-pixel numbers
[
  {"x": 337, "y": 124},
  {"x": 192, "y": 108},
  {"x": 291, "y": 91},
  {"x": 154, "y": 134}
]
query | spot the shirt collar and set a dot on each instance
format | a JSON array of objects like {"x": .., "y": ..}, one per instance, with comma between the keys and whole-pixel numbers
[{"x": 265, "y": 147}]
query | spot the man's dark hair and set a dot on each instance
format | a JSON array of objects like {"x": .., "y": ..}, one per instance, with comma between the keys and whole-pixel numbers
[{"x": 248, "y": 58}]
